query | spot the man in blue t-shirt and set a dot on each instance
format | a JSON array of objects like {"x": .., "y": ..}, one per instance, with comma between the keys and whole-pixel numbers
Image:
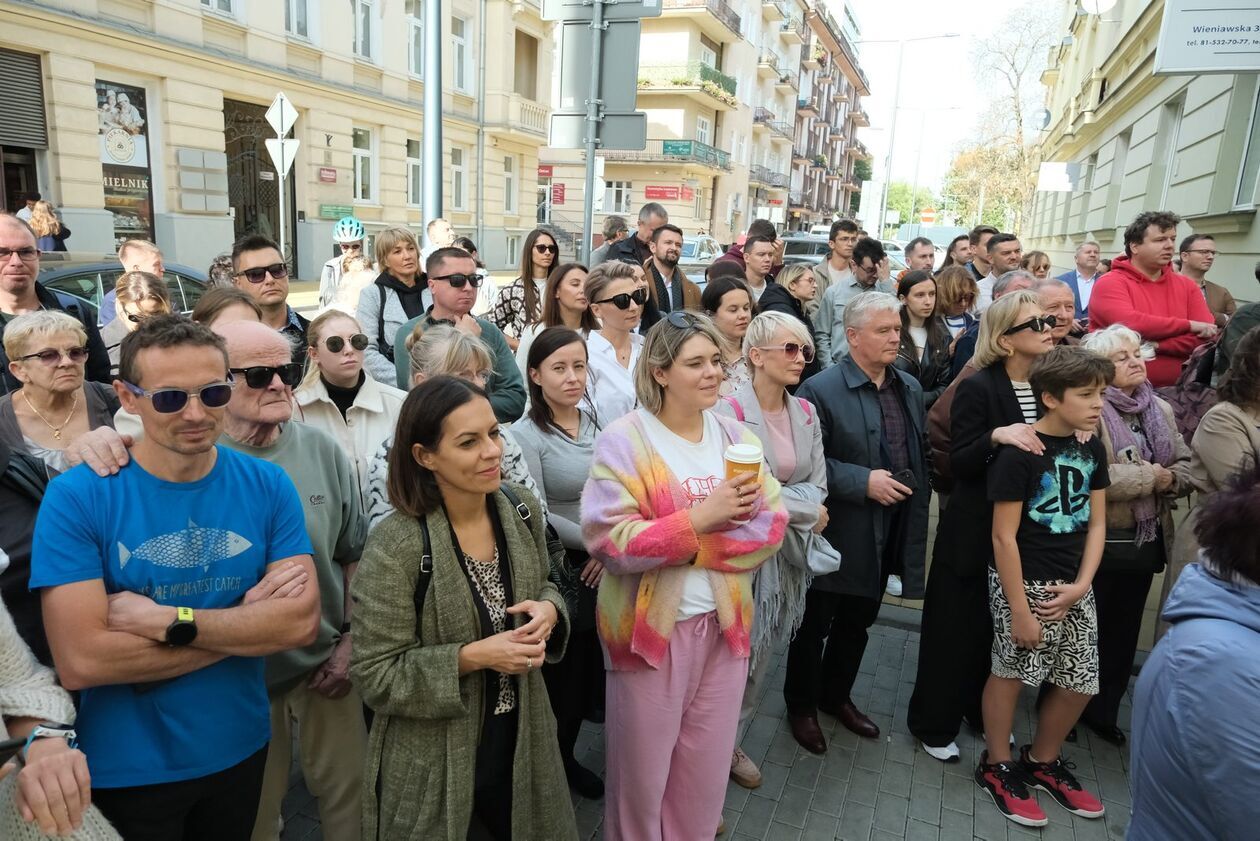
[{"x": 164, "y": 585}]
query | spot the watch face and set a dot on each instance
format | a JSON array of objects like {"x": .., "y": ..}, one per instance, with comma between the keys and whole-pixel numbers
[{"x": 181, "y": 633}]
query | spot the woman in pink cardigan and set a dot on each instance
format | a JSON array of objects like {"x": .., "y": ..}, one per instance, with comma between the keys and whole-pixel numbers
[{"x": 679, "y": 545}]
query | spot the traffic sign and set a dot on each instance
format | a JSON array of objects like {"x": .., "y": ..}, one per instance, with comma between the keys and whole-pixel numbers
[
  {"x": 282, "y": 153},
  {"x": 927, "y": 216},
  {"x": 281, "y": 115},
  {"x": 618, "y": 72},
  {"x": 616, "y": 131},
  {"x": 584, "y": 10}
]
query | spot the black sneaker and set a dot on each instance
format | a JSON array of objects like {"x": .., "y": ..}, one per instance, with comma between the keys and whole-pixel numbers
[
  {"x": 1057, "y": 780},
  {"x": 1006, "y": 783}
]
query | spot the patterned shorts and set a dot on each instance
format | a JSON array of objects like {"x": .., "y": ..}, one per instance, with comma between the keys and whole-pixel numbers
[{"x": 1068, "y": 654}]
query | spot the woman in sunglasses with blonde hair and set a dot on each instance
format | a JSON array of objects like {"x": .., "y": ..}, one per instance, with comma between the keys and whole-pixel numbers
[
  {"x": 137, "y": 296},
  {"x": 616, "y": 294},
  {"x": 339, "y": 397}
]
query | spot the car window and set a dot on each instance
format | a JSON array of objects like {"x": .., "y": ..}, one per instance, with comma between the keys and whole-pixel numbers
[
  {"x": 192, "y": 290},
  {"x": 85, "y": 285},
  {"x": 689, "y": 249}
]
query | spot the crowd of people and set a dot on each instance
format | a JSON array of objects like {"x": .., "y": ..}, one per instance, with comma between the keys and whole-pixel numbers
[{"x": 424, "y": 545}]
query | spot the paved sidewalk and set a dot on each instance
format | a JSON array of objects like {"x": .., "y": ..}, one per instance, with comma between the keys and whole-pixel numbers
[{"x": 862, "y": 790}]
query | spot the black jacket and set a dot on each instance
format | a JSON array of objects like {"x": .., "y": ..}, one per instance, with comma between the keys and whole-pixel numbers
[
  {"x": 98, "y": 357},
  {"x": 933, "y": 370},
  {"x": 630, "y": 250},
  {"x": 776, "y": 298},
  {"x": 23, "y": 479}
]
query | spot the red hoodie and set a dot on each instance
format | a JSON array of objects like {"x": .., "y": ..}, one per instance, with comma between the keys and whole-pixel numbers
[{"x": 1159, "y": 310}]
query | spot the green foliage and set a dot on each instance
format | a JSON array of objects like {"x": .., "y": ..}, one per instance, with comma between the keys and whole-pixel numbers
[{"x": 899, "y": 199}]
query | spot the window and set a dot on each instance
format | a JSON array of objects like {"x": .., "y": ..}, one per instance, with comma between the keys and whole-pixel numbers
[
  {"x": 1164, "y": 159},
  {"x": 513, "y": 249},
  {"x": 364, "y": 166},
  {"x": 708, "y": 56},
  {"x": 219, "y": 5},
  {"x": 703, "y": 127},
  {"x": 414, "y": 183},
  {"x": 415, "y": 23},
  {"x": 459, "y": 179},
  {"x": 525, "y": 80},
  {"x": 617, "y": 197},
  {"x": 296, "y": 18},
  {"x": 1251, "y": 161},
  {"x": 699, "y": 209},
  {"x": 364, "y": 12},
  {"x": 509, "y": 184},
  {"x": 461, "y": 37}
]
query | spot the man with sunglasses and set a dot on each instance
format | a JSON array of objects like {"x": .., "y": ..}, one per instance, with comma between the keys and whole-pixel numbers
[
  {"x": 21, "y": 293},
  {"x": 453, "y": 282},
  {"x": 259, "y": 270},
  {"x": 309, "y": 685},
  {"x": 164, "y": 586}
]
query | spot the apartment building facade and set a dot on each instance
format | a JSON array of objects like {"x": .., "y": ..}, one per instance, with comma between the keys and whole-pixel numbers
[
  {"x": 146, "y": 118},
  {"x": 1185, "y": 143}
]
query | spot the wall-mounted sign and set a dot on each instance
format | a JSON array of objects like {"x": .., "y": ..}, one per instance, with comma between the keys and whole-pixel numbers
[
  {"x": 124, "y": 154},
  {"x": 328, "y": 174},
  {"x": 545, "y": 170},
  {"x": 659, "y": 193},
  {"x": 335, "y": 211},
  {"x": 557, "y": 194},
  {"x": 1206, "y": 36},
  {"x": 688, "y": 194}
]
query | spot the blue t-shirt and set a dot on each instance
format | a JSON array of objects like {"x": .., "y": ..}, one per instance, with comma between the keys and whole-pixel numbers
[{"x": 186, "y": 544}]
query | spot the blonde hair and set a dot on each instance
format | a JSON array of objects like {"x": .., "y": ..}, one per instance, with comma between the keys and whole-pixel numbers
[
  {"x": 133, "y": 245},
  {"x": 1001, "y": 316},
  {"x": 660, "y": 349},
  {"x": 43, "y": 221},
  {"x": 312, "y": 340},
  {"x": 22, "y": 332},
  {"x": 438, "y": 350},
  {"x": 388, "y": 239},
  {"x": 602, "y": 276},
  {"x": 763, "y": 327},
  {"x": 790, "y": 274},
  {"x": 135, "y": 287}
]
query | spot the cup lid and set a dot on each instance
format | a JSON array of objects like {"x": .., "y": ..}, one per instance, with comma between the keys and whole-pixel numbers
[{"x": 744, "y": 453}]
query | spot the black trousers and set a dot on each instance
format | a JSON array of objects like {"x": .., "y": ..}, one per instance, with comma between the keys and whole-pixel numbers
[
  {"x": 955, "y": 645},
  {"x": 217, "y": 807},
  {"x": 1121, "y": 598},
  {"x": 825, "y": 677},
  {"x": 574, "y": 687}
]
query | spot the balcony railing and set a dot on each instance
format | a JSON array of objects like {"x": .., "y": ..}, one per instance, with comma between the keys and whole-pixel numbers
[
  {"x": 793, "y": 29},
  {"x": 788, "y": 79},
  {"x": 796, "y": 198},
  {"x": 675, "y": 151},
  {"x": 769, "y": 59},
  {"x": 765, "y": 175},
  {"x": 762, "y": 115},
  {"x": 804, "y": 107},
  {"x": 718, "y": 8},
  {"x": 695, "y": 74}
]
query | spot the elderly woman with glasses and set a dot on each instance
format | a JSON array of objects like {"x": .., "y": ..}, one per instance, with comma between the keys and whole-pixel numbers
[
  {"x": 616, "y": 297},
  {"x": 55, "y": 405},
  {"x": 137, "y": 296},
  {"x": 677, "y": 540}
]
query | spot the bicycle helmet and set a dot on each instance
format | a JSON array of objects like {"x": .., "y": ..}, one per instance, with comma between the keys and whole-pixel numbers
[{"x": 348, "y": 229}]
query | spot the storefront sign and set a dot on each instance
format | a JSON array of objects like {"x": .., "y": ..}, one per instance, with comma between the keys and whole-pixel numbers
[
  {"x": 688, "y": 194},
  {"x": 545, "y": 170},
  {"x": 1202, "y": 37},
  {"x": 657, "y": 193},
  {"x": 328, "y": 175},
  {"x": 557, "y": 194},
  {"x": 124, "y": 152},
  {"x": 335, "y": 211},
  {"x": 775, "y": 202}
]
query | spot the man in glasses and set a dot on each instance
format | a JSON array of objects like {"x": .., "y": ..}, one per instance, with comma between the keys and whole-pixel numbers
[
  {"x": 453, "y": 281},
  {"x": 164, "y": 586},
  {"x": 309, "y": 685},
  {"x": 636, "y": 249},
  {"x": 259, "y": 270},
  {"x": 21, "y": 293},
  {"x": 869, "y": 262},
  {"x": 1198, "y": 254},
  {"x": 837, "y": 268},
  {"x": 615, "y": 230},
  {"x": 670, "y": 289}
]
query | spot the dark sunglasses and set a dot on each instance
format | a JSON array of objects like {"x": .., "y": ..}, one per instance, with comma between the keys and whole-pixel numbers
[
  {"x": 260, "y": 376},
  {"x": 335, "y": 343},
  {"x": 623, "y": 301},
  {"x": 457, "y": 281},
  {"x": 543, "y": 249},
  {"x": 683, "y": 320},
  {"x": 170, "y": 400},
  {"x": 53, "y": 357},
  {"x": 791, "y": 349},
  {"x": 278, "y": 271},
  {"x": 1040, "y": 324}
]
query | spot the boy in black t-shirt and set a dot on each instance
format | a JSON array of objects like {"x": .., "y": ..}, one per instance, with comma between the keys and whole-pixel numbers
[{"x": 1049, "y": 524}]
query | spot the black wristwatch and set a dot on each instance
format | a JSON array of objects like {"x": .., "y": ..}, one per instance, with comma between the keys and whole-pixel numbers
[{"x": 184, "y": 629}]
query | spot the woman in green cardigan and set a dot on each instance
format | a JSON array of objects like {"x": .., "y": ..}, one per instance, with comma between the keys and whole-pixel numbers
[{"x": 463, "y": 745}]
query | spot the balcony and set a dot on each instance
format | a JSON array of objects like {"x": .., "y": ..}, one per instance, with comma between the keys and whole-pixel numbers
[
  {"x": 695, "y": 79},
  {"x": 508, "y": 113},
  {"x": 793, "y": 30},
  {"x": 839, "y": 94},
  {"x": 675, "y": 152},
  {"x": 860, "y": 118},
  {"x": 814, "y": 58},
  {"x": 762, "y": 118},
  {"x": 833, "y": 173},
  {"x": 773, "y": 10},
  {"x": 818, "y": 162},
  {"x": 787, "y": 83},
  {"x": 716, "y": 19},
  {"x": 768, "y": 65},
  {"x": 825, "y": 75},
  {"x": 796, "y": 200},
  {"x": 764, "y": 175},
  {"x": 806, "y": 108}
]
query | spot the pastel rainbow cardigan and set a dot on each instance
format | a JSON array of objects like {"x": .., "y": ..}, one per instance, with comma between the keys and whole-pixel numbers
[{"x": 635, "y": 521}]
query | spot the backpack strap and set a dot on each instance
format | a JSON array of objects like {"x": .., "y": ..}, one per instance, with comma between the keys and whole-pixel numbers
[
  {"x": 385, "y": 347},
  {"x": 738, "y": 409}
]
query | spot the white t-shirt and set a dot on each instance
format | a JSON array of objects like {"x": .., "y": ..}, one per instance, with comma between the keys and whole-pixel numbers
[
  {"x": 919, "y": 336},
  {"x": 984, "y": 298},
  {"x": 838, "y": 278},
  {"x": 757, "y": 290},
  {"x": 698, "y": 467}
]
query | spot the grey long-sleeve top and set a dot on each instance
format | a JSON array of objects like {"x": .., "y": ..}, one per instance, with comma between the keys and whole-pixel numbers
[{"x": 559, "y": 466}]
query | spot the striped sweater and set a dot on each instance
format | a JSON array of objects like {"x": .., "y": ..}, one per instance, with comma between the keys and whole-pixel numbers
[{"x": 635, "y": 521}]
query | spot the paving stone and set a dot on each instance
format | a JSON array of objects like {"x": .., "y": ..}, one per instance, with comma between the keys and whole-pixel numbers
[
  {"x": 820, "y": 827},
  {"x": 959, "y": 794},
  {"x": 773, "y": 778},
  {"x": 955, "y": 825},
  {"x": 829, "y": 796},
  {"x": 805, "y": 771},
  {"x": 783, "y": 831},
  {"x": 870, "y": 755},
  {"x": 895, "y": 779},
  {"x": 920, "y": 831},
  {"x": 755, "y": 817},
  {"x": 855, "y": 823},
  {"x": 838, "y": 763},
  {"x": 890, "y": 813},
  {"x": 793, "y": 806},
  {"x": 863, "y": 788},
  {"x": 925, "y": 804}
]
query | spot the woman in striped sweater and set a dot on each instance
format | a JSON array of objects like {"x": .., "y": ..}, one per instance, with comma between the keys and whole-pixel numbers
[{"x": 679, "y": 545}]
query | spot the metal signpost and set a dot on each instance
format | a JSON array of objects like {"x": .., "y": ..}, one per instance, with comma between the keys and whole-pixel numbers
[
  {"x": 281, "y": 116},
  {"x": 598, "y": 89}
]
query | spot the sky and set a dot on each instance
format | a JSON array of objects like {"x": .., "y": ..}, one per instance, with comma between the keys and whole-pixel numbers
[{"x": 936, "y": 75}]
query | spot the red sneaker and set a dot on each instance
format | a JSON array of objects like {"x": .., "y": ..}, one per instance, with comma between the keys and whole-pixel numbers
[
  {"x": 1008, "y": 786},
  {"x": 1056, "y": 779}
]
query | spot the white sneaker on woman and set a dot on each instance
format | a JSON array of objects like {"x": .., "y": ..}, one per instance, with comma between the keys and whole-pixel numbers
[
  {"x": 949, "y": 753},
  {"x": 893, "y": 587}
]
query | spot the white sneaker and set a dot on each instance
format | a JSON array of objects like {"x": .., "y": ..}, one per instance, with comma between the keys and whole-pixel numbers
[
  {"x": 949, "y": 753},
  {"x": 893, "y": 587}
]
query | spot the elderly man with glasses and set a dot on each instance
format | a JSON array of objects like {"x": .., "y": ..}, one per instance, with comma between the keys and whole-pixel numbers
[{"x": 259, "y": 270}]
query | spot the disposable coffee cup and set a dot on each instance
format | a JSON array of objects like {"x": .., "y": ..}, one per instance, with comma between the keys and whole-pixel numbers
[{"x": 742, "y": 458}]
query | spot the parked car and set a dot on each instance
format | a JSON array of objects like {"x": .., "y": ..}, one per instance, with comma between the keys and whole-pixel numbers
[
  {"x": 91, "y": 278},
  {"x": 701, "y": 249},
  {"x": 813, "y": 249}
]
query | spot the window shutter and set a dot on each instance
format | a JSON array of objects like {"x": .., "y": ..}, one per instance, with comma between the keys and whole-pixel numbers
[{"x": 24, "y": 123}]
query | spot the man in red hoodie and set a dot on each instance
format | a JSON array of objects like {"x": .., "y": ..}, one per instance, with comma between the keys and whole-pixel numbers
[{"x": 1143, "y": 293}]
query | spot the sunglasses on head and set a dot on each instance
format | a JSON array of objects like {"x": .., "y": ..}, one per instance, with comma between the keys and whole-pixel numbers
[
  {"x": 683, "y": 320},
  {"x": 278, "y": 271},
  {"x": 260, "y": 376},
  {"x": 170, "y": 400},
  {"x": 625, "y": 299},
  {"x": 457, "y": 281},
  {"x": 53, "y": 357},
  {"x": 791, "y": 349},
  {"x": 543, "y": 248},
  {"x": 1040, "y": 324},
  {"x": 335, "y": 344}
]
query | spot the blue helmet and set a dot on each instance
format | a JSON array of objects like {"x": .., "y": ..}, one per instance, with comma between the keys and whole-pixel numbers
[{"x": 348, "y": 229}]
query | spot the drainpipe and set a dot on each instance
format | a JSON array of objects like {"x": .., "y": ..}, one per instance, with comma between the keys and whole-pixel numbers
[{"x": 481, "y": 128}]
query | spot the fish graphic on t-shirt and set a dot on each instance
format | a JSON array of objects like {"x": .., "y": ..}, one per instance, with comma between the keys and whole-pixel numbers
[{"x": 188, "y": 548}]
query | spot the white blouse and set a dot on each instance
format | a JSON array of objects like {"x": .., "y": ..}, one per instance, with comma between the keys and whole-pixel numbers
[{"x": 609, "y": 386}]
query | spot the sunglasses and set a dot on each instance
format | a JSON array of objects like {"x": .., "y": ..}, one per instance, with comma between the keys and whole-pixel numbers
[
  {"x": 335, "y": 343},
  {"x": 457, "y": 281},
  {"x": 260, "y": 376},
  {"x": 1040, "y": 324},
  {"x": 625, "y": 299},
  {"x": 167, "y": 401},
  {"x": 139, "y": 317},
  {"x": 53, "y": 357},
  {"x": 791, "y": 349},
  {"x": 683, "y": 320},
  {"x": 543, "y": 249},
  {"x": 278, "y": 271}
]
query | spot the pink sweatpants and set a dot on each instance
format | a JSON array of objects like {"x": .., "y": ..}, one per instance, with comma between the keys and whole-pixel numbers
[{"x": 669, "y": 735}]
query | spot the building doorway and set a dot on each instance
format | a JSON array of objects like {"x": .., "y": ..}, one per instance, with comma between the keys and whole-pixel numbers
[
  {"x": 18, "y": 166},
  {"x": 253, "y": 186}
]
